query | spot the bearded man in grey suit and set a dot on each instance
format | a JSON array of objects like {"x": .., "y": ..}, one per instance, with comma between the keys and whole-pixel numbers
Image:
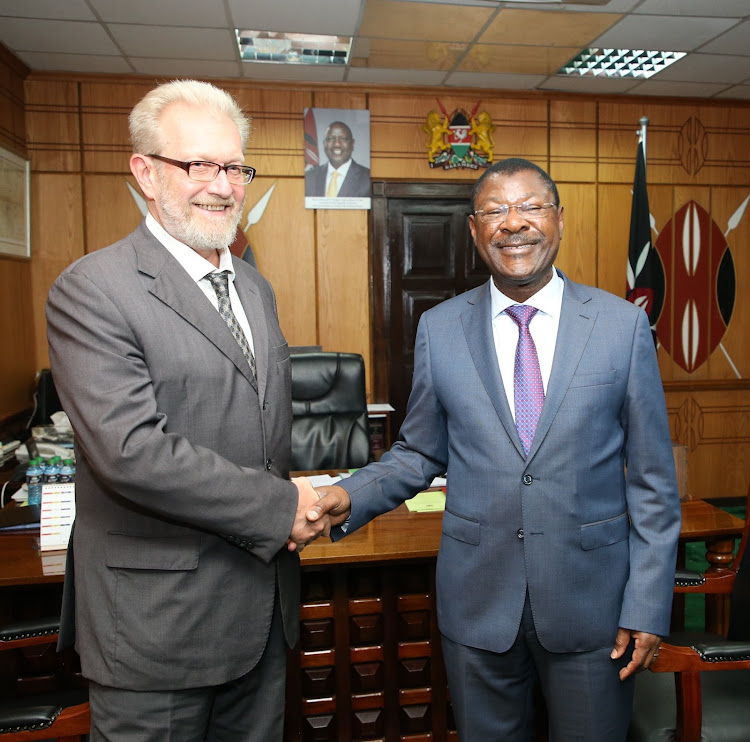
[
  {"x": 169, "y": 359},
  {"x": 555, "y": 563}
]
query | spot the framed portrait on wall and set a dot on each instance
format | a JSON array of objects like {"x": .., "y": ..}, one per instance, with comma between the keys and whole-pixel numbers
[
  {"x": 337, "y": 158},
  {"x": 15, "y": 238}
]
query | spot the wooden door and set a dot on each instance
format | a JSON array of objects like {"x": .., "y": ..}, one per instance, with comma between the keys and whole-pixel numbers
[{"x": 422, "y": 255}]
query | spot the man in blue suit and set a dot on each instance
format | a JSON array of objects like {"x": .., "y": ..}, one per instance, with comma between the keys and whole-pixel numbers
[{"x": 560, "y": 528}]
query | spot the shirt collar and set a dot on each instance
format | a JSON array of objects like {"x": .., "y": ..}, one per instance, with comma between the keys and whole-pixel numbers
[
  {"x": 547, "y": 300},
  {"x": 342, "y": 171},
  {"x": 195, "y": 264}
]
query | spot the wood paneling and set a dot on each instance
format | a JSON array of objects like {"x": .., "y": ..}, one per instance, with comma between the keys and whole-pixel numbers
[
  {"x": 318, "y": 261},
  {"x": 16, "y": 305},
  {"x": 56, "y": 241}
]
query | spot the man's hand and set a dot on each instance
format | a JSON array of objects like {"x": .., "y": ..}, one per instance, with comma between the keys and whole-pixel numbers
[
  {"x": 645, "y": 652},
  {"x": 334, "y": 504},
  {"x": 303, "y": 530}
]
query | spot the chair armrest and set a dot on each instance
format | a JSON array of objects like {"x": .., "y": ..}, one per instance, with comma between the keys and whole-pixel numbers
[
  {"x": 688, "y": 578},
  {"x": 716, "y": 656},
  {"x": 713, "y": 583},
  {"x": 28, "y": 632}
]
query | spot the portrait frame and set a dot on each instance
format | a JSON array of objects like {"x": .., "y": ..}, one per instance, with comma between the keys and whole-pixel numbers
[
  {"x": 316, "y": 123},
  {"x": 15, "y": 218}
]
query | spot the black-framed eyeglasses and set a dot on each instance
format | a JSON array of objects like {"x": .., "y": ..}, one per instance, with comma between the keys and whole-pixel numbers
[
  {"x": 205, "y": 172},
  {"x": 501, "y": 211}
]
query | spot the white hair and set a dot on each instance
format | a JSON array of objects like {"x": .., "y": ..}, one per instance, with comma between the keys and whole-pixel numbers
[{"x": 144, "y": 118}]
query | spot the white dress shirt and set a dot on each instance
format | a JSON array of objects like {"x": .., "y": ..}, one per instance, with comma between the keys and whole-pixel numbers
[
  {"x": 543, "y": 329},
  {"x": 198, "y": 267},
  {"x": 342, "y": 171}
]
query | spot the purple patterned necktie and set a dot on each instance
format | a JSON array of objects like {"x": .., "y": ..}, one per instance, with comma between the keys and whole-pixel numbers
[{"x": 528, "y": 390}]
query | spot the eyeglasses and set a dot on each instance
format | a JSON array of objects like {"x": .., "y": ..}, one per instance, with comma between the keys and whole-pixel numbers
[
  {"x": 205, "y": 172},
  {"x": 500, "y": 212}
]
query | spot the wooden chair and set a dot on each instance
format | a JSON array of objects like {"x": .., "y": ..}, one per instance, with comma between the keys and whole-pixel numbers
[
  {"x": 62, "y": 715},
  {"x": 699, "y": 687}
]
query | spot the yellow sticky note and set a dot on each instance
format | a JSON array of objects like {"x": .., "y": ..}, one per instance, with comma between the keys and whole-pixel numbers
[{"x": 424, "y": 502}]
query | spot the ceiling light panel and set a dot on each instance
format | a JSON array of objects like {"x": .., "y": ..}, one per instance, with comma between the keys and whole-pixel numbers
[
  {"x": 293, "y": 48},
  {"x": 638, "y": 63}
]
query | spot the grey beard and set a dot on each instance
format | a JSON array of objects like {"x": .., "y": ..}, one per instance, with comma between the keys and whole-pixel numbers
[{"x": 193, "y": 236}]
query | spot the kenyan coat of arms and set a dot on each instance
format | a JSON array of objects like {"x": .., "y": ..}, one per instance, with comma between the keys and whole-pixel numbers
[{"x": 459, "y": 139}]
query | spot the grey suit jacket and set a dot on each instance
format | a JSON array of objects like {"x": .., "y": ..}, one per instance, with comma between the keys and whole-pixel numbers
[
  {"x": 182, "y": 494},
  {"x": 355, "y": 185},
  {"x": 595, "y": 549}
]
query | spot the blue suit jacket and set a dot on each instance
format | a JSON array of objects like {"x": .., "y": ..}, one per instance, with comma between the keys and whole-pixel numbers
[
  {"x": 355, "y": 185},
  {"x": 595, "y": 548}
]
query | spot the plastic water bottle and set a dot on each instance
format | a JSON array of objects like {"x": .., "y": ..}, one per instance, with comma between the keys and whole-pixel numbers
[
  {"x": 34, "y": 478},
  {"x": 67, "y": 472},
  {"x": 52, "y": 471}
]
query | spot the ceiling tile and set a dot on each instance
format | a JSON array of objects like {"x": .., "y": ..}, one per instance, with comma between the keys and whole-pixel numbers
[
  {"x": 394, "y": 77},
  {"x": 682, "y": 89},
  {"x": 668, "y": 33},
  {"x": 185, "y": 67},
  {"x": 594, "y": 85},
  {"x": 707, "y": 68},
  {"x": 76, "y": 63},
  {"x": 391, "y": 19},
  {"x": 70, "y": 10},
  {"x": 171, "y": 42},
  {"x": 55, "y": 36},
  {"x": 547, "y": 28},
  {"x": 516, "y": 59},
  {"x": 737, "y": 91},
  {"x": 293, "y": 72},
  {"x": 734, "y": 41},
  {"x": 330, "y": 17},
  {"x": 613, "y": 6},
  {"x": 205, "y": 14},
  {"x": 500, "y": 82},
  {"x": 425, "y": 55},
  {"x": 712, "y": 9}
]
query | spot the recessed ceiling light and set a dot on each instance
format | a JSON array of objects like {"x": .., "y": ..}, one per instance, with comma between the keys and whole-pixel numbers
[
  {"x": 619, "y": 63},
  {"x": 292, "y": 48}
]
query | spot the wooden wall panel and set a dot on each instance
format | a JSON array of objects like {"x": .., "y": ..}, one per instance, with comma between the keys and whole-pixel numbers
[
  {"x": 283, "y": 242},
  {"x": 109, "y": 210},
  {"x": 572, "y": 137},
  {"x": 52, "y": 125},
  {"x": 56, "y": 240},
  {"x": 12, "y": 118},
  {"x": 343, "y": 271},
  {"x": 577, "y": 256},
  {"x": 16, "y": 306},
  {"x": 317, "y": 261}
]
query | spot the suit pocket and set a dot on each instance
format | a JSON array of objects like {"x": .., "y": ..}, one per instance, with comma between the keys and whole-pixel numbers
[
  {"x": 125, "y": 551},
  {"x": 460, "y": 528},
  {"x": 598, "y": 379},
  {"x": 279, "y": 353},
  {"x": 605, "y": 532}
]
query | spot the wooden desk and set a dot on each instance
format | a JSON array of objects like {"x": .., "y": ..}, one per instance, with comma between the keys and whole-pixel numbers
[{"x": 369, "y": 664}]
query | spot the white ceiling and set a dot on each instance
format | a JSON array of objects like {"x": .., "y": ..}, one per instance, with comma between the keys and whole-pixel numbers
[{"x": 466, "y": 43}]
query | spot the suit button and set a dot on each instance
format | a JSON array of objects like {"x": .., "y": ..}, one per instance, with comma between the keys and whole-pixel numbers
[
  {"x": 265, "y": 405},
  {"x": 269, "y": 463},
  {"x": 527, "y": 479},
  {"x": 519, "y": 533}
]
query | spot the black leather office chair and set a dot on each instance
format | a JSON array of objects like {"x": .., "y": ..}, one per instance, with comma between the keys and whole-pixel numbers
[
  {"x": 329, "y": 405},
  {"x": 699, "y": 690},
  {"x": 62, "y": 715}
]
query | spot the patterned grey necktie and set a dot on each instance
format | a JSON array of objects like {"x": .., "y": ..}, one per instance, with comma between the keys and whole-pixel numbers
[{"x": 220, "y": 282}]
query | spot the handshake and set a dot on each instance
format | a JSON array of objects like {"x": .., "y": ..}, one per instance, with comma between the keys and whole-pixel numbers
[{"x": 317, "y": 510}]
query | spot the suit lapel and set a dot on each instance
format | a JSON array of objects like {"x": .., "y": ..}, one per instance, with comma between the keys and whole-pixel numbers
[
  {"x": 477, "y": 323},
  {"x": 577, "y": 317},
  {"x": 173, "y": 286}
]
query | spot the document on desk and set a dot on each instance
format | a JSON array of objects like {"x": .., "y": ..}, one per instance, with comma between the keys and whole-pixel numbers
[
  {"x": 58, "y": 514},
  {"x": 427, "y": 502}
]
